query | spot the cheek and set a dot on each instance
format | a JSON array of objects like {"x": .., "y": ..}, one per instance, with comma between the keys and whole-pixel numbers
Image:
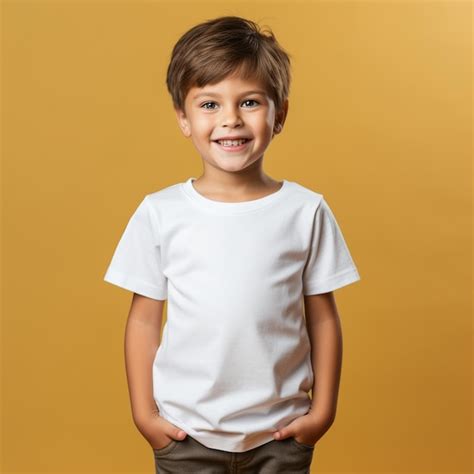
[
  {"x": 201, "y": 123},
  {"x": 270, "y": 121},
  {"x": 264, "y": 129},
  {"x": 206, "y": 128},
  {"x": 262, "y": 124}
]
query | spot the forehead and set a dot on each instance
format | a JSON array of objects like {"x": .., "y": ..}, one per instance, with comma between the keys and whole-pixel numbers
[{"x": 230, "y": 86}]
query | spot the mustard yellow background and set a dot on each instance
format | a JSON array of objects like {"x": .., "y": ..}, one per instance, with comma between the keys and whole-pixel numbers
[{"x": 379, "y": 122}]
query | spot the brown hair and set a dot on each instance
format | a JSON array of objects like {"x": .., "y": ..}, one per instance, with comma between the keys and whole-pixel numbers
[{"x": 216, "y": 48}]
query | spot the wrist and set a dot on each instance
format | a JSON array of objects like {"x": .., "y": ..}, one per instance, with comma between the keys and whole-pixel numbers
[
  {"x": 142, "y": 416},
  {"x": 320, "y": 415}
]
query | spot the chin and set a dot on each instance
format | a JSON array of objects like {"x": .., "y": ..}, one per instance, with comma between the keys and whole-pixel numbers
[{"x": 231, "y": 167}]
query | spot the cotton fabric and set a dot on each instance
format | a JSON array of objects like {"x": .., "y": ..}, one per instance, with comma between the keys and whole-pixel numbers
[{"x": 234, "y": 361}]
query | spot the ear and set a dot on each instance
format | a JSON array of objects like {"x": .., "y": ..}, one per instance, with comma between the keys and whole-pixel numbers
[
  {"x": 280, "y": 117},
  {"x": 183, "y": 122}
]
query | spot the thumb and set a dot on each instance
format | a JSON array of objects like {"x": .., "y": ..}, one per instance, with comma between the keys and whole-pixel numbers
[
  {"x": 180, "y": 434},
  {"x": 283, "y": 433}
]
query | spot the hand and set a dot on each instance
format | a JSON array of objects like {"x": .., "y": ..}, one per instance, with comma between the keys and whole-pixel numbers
[
  {"x": 306, "y": 429},
  {"x": 158, "y": 431}
]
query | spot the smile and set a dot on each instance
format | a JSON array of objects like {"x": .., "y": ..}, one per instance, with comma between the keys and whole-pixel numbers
[{"x": 231, "y": 147}]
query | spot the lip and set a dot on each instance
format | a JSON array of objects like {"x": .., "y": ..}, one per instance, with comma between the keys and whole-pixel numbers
[
  {"x": 241, "y": 137},
  {"x": 233, "y": 149}
]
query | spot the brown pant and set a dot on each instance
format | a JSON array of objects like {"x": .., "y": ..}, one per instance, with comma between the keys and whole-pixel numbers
[{"x": 287, "y": 456}]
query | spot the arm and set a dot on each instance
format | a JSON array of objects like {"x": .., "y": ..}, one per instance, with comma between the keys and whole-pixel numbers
[
  {"x": 142, "y": 339},
  {"x": 324, "y": 330}
]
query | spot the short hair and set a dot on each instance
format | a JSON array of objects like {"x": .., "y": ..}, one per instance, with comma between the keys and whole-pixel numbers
[{"x": 219, "y": 47}]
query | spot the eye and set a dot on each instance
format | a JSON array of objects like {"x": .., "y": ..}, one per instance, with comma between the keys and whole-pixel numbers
[
  {"x": 250, "y": 100},
  {"x": 206, "y": 104},
  {"x": 211, "y": 102}
]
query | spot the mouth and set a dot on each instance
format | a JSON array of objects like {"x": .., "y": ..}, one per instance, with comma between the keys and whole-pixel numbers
[{"x": 232, "y": 145}]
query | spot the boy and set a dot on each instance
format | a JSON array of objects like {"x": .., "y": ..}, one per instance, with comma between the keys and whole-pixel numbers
[{"x": 236, "y": 254}]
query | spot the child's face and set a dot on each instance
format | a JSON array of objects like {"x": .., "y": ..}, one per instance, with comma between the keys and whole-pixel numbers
[{"x": 229, "y": 109}]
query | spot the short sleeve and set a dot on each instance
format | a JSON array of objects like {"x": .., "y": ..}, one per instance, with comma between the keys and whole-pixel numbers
[
  {"x": 136, "y": 262},
  {"x": 329, "y": 264}
]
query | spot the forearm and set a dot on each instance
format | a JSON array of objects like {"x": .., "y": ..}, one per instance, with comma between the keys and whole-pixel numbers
[
  {"x": 326, "y": 359},
  {"x": 325, "y": 334},
  {"x": 141, "y": 343}
]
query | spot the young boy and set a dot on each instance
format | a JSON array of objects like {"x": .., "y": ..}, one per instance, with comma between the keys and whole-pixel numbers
[{"x": 248, "y": 266}]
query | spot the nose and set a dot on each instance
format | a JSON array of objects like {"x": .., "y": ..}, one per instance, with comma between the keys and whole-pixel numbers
[{"x": 231, "y": 117}]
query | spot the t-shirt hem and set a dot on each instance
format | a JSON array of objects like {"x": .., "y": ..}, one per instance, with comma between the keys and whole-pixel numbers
[
  {"x": 216, "y": 441},
  {"x": 339, "y": 280},
  {"x": 131, "y": 283}
]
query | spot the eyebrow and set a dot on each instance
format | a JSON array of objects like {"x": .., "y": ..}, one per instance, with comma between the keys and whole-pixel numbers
[{"x": 213, "y": 94}]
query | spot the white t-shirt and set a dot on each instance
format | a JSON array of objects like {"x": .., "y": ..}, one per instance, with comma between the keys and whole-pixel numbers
[{"x": 234, "y": 361}]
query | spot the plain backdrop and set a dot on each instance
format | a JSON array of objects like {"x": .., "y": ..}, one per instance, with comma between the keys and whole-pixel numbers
[{"x": 379, "y": 122}]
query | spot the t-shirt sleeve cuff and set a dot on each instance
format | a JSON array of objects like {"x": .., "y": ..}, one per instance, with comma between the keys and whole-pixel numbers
[
  {"x": 131, "y": 283},
  {"x": 339, "y": 280}
]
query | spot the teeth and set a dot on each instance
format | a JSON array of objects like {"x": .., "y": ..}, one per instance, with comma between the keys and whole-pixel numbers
[{"x": 232, "y": 142}]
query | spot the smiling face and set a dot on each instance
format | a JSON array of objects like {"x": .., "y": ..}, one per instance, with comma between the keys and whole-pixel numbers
[{"x": 234, "y": 107}]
